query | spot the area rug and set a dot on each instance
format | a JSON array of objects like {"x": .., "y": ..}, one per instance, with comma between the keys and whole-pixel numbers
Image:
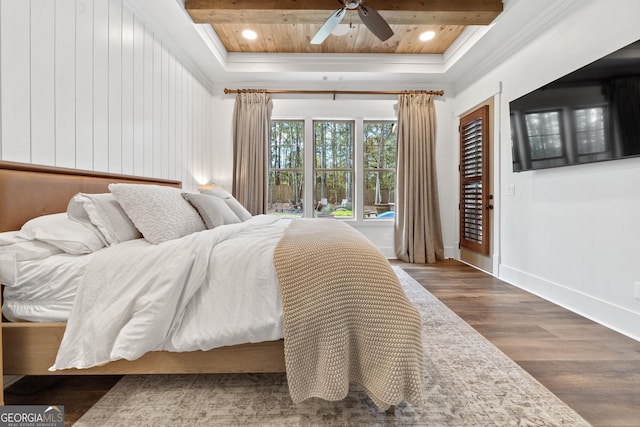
[{"x": 468, "y": 382}]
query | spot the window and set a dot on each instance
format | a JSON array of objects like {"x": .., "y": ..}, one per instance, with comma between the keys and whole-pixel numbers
[
  {"x": 474, "y": 181},
  {"x": 545, "y": 139},
  {"x": 590, "y": 135},
  {"x": 571, "y": 135},
  {"x": 286, "y": 168},
  {"x": 333, "y": 168},
  {"x": 348, "y": 164},
  {"x": 379, "y": 168}
]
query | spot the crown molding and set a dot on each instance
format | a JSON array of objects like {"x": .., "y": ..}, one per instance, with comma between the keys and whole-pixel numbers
[
  {"x": 233, "y": 62},
  {"x": 510, "y": 37},
  {"x": 463, "y": 44}
]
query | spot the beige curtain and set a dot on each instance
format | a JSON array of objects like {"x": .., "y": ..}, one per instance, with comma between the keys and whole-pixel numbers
[
  {"x": 251, "y": 123},
  {"x": 418, "y": 233}
]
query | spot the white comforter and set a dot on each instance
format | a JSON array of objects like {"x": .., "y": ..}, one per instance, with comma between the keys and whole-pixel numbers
[{"x": 206, "y": 290}]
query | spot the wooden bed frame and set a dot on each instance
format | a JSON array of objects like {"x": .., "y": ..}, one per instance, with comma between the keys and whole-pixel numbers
[{"x": 28, "y": 191}]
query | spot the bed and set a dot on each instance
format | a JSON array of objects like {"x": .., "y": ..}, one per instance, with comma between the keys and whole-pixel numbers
[{"x": 30, "y": 348}]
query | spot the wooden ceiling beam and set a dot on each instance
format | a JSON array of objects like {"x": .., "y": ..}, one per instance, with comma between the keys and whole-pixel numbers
[
  {"x": 417, "y": 5},
  {"x": 405, "y": 12},
  {"x": 278, "y": 17}
]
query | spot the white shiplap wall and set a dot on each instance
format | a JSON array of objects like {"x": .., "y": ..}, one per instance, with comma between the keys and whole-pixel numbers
[{"x": 87, "y": 84}]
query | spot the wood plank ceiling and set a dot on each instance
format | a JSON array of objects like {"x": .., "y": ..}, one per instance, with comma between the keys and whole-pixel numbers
[{"x": 287, "y": 26}]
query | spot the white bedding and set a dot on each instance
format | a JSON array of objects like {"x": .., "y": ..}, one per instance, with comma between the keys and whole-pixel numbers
[
  {"x": 42, "y": 290},
  {"x": 208, "y": 289}
]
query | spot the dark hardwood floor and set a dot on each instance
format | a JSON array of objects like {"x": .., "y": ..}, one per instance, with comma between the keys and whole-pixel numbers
[
  {"x": 76, "y": 393},
  {"x": 594, "y": 370}
]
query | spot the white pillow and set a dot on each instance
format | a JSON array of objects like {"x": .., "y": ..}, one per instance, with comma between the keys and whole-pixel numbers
[
  {"x": 10, "y": 237},
  {"x": 44, "y": 290},
  {"x": 27, "y": 250},
  {"x": 62, "y": 232},
  {"x": 160, "y": 213},
  {"x": 213, "y": 210},
  {"x": 103, "y": 212},
  {"x": 237, "y": 208}
]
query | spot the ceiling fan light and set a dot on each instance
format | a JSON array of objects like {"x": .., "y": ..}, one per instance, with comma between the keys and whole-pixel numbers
[
  {"x": 249, "y": 34},
  {"x": 352, "y": 4},
  {"x": 341, "y": 29},
  {"x": 427, "y": 35}
]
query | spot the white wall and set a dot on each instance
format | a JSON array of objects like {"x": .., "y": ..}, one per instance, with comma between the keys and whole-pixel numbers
[
  {"x": 380, "y": 232},
  {"x": 87, "y": 84},
  {"x": 569, "y": 234}
]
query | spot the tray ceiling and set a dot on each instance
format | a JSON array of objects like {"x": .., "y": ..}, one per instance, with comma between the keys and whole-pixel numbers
[{"x": 287, "y": 26}]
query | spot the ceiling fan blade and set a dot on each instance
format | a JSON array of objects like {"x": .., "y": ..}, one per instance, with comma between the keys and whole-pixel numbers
[
  {"x": 374, "y": 22},
  {"x": 329, "y": 25}
]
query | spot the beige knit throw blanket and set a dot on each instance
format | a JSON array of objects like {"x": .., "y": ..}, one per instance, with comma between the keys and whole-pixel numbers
[{"x": 346, "y": 317}]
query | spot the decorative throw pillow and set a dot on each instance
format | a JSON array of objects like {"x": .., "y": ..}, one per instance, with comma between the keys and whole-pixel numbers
[
  {"x": 237, "y": 208},
  {"x": 62, "y": 232},
  {"x": 213, "y": 210},
  {"x": 103, "y": 212},
  {"x": 160, "y": 213}
]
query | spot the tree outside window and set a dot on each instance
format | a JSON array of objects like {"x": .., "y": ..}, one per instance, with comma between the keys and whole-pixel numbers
[
  {"x": 286, "y": 168},
  {"x": 335, "y": 180},
  {"x": 590, "y": 130},
  {"x": 333, "y": 168},
  {"x": 543, "y": 131},
  {"x": 379, "y": 168}
]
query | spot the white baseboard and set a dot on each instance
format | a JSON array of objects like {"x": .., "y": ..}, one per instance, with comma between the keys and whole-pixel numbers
[
  {"x": 614, "y": 317},
  {"x": 451, "y": 252},
  {"x": 388, "y": 252}
]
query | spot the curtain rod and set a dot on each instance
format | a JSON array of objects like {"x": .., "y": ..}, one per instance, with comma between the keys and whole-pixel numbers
[{"x": 338, "y": 92}]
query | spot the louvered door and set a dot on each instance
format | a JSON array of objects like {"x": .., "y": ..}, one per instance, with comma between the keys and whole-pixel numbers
[{"x": 475, "y": 200}]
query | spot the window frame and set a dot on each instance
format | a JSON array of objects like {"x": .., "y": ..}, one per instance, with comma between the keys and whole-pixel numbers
[
  {"x": 315, "y": 199},
  {"x": 523, "y": 159},
  {"x": 605, "y": 128},
  {"x": 294, "y": 170},
  {"x": 544, "y": 136},
  {"x": 365, "y": 170},
  {"x": 358, "y": 166},
  {"x": 474, "y": 210}
]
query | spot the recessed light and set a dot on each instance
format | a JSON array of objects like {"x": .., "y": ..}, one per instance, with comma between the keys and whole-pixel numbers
[
  {"x": 427, "y": 35},
  {"x": 341, "y": 29},
  {"x": 249, "y": 34}
]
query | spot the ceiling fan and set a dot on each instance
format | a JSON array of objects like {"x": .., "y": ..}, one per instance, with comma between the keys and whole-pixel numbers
[{"x": 370, "y": 18}]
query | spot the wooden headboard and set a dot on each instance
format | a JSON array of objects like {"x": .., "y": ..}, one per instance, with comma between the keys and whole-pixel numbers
[{"x": 28, "y": 191}]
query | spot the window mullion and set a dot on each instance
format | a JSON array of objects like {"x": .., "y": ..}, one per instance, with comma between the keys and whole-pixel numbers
[
  {"x": 349, "y": 146},
  {"x": 358, "y": 166},
  {"x": 309, "y": 176}
]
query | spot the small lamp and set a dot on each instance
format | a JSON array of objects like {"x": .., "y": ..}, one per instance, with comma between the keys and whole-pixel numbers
[{"x": 209, "y": 186}]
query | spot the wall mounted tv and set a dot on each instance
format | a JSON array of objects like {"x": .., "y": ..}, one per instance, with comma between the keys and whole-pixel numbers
[{"x": 589, "y": 115}]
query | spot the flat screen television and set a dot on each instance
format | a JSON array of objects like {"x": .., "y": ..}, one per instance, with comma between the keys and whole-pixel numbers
[{"x": 589, "y": 115}]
